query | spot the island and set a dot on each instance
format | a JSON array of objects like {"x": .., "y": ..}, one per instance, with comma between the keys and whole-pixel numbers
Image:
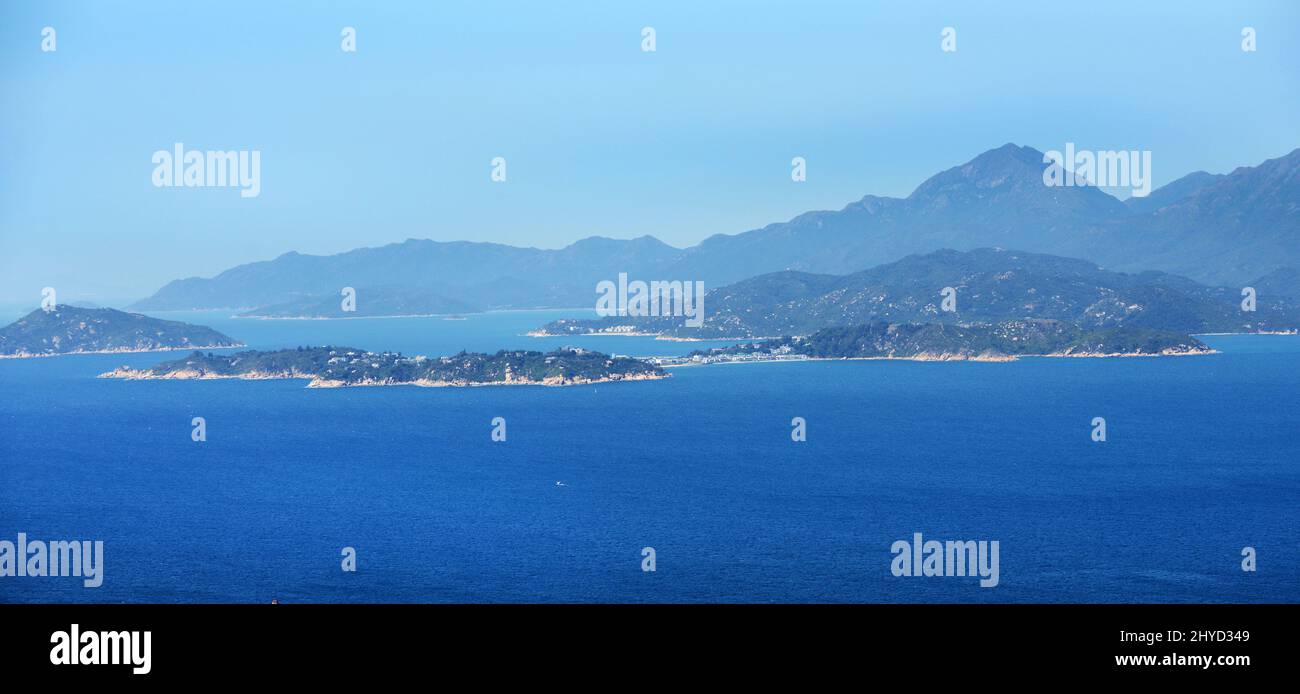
[
  {"x": 66, "y": 329},
  {"x": 983, "y": 286},
  {"x": 336, "y": 367},
  {"x": 1001, "y": 341}
]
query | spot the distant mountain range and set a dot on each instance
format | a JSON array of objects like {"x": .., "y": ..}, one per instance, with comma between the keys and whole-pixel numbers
[
  {"x": 432, "y": 276},
  {"x": 69, "y": 330},
  {"x": 991, "y": 285},
  {"x": 1231, "y": 229},
  {"x": 370, "y": 301}
]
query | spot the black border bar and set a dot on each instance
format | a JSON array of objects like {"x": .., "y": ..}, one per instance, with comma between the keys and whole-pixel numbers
[{"x": 334, "y": 643}]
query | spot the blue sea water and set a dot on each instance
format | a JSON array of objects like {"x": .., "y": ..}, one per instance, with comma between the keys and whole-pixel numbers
[{"x": 1202, "y": 459}]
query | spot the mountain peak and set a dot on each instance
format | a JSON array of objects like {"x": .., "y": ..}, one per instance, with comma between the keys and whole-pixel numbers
[
  {"x": 1013, "y": 151},
  {"x": 645, "y": 241},
  {"x": 995, "y": 168},
  {"x": 1005, "y": 187},
  {"x": 1008, "y": 157},
  {"x": 1174, "y": 191}
]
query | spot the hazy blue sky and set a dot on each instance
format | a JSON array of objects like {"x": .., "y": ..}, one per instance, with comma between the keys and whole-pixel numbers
[{"x": 394, "y": 141}]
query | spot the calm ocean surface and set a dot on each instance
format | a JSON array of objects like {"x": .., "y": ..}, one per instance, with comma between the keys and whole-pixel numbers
[{"x": 1203, "y": 459}]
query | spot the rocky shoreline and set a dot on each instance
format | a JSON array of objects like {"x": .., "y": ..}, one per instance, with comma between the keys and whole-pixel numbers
[
  {"x": 554, "y": 381},
  {"x": 315, "y": 381},
  {"x": 675, "y": 362}
]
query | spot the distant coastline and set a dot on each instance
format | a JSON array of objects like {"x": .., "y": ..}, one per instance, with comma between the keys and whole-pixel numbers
[
  {"x": 543, "y": 332},
  {"x": 403, "y": 315},
  {"x": 657, "y": 336},
  {"x": 124, "y": 350},
  {"x": 679, "y": 362},
  {"x": 1258, "y": 332},
  {"x": 457, "y": 315}
]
